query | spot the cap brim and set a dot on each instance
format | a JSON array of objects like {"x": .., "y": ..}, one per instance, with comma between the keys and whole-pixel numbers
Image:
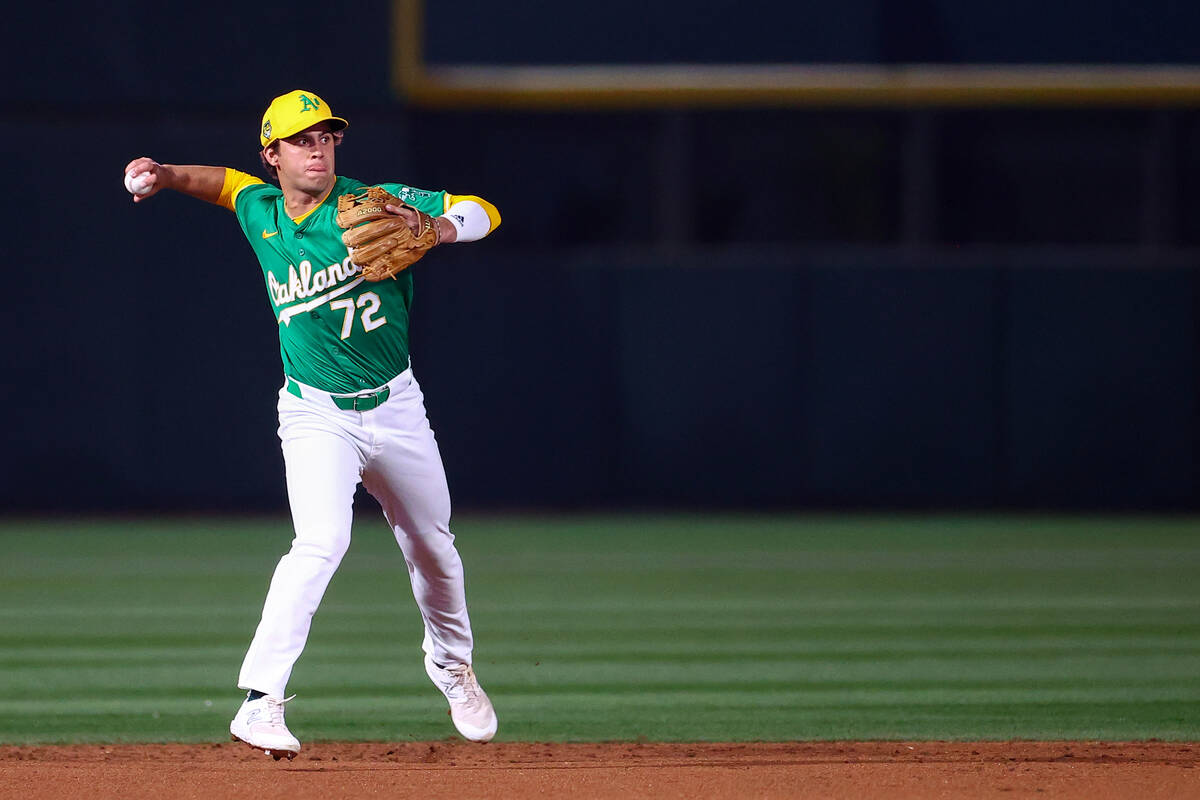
[{"x": 336, "y": 124}]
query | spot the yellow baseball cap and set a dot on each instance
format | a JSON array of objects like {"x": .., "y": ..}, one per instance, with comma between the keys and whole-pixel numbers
[{"x": 293, "y": 112}]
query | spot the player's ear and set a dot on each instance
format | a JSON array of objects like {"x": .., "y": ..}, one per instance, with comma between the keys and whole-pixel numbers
[{"x": 271, "y": 154}]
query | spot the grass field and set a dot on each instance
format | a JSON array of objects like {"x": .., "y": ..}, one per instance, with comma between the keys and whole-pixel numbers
[{"x": 670, "y": 628}]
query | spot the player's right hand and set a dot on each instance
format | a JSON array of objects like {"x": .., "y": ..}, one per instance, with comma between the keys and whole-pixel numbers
[{"x": 146, "y": 171}]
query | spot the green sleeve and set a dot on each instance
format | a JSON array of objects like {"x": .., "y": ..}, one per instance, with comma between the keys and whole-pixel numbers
[
  {"x": 432, "y": 203},
  {"x": 255, "y": 205}
]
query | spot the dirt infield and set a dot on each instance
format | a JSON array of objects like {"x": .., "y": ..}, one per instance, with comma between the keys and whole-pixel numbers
[{"x": 451, "y": 768}]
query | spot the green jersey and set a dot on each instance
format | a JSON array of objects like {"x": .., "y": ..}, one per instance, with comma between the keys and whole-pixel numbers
[{"x": 337, "y": 331}]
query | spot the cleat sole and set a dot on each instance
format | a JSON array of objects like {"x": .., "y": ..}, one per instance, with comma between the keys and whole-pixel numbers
[{"x": 275, "y": 754}]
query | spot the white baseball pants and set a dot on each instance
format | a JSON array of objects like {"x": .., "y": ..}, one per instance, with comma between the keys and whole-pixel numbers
[{"x": 327, "y": 451}]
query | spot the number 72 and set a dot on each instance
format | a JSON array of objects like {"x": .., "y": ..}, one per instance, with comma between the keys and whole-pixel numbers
[{"x": 369, "y": 302}]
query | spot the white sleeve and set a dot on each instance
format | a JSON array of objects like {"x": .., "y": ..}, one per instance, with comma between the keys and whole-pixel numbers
[{"x": 469, "y": 219}]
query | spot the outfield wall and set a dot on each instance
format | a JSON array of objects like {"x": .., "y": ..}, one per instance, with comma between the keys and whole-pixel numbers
[{"x": 751, "y": 380}]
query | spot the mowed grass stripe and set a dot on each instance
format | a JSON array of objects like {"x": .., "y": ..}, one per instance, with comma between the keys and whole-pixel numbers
[
  {"x": 101, "y": 619},
  {"x": 893, "y": 606},
  {"x": 692, "y": 649},
  {"x": 694, "y": 632},
  {"x": 668, "y": 717},
  {"x": 933, "y": 632},
  {"x": 685, "y": 697},
  {"x": 379, "y": 681},
  {"x": 621, "y": 674}
]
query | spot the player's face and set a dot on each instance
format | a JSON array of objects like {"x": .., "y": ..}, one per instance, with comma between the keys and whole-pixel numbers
[{"x": 305, "y": 160}]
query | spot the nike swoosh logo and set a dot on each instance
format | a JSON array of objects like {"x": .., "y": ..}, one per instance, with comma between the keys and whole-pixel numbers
[{"x": 269, "y": 235}]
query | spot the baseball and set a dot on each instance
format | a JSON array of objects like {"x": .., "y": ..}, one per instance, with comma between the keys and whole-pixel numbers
[{"x": 139, "y": 184}]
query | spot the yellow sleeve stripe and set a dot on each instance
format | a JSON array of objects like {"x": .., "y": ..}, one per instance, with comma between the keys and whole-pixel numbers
[
  {"x": 492, "y": 212},
  {"x": 234, "y": 182}
]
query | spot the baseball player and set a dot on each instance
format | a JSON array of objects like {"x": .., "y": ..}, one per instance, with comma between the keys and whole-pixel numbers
[{"x": 350, "y": 409}]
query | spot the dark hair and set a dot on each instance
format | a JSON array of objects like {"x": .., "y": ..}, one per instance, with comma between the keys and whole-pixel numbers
[{"x": 271, "y": 171}]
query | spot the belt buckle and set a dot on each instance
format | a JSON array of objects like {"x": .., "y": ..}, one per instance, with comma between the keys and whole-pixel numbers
[{"x": 370, "y": 401}]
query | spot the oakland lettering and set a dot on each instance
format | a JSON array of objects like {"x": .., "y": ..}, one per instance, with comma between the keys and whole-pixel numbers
[{"x": 304, "y": 282}]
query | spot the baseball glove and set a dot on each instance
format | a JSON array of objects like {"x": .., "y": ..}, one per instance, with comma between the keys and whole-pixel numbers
[{"x": 382, "y": 244}]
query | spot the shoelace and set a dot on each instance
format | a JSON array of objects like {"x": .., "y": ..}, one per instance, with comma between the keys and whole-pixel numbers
[
  {"x": 464, "y": 680},
  {"x": 275, "y": 709}
]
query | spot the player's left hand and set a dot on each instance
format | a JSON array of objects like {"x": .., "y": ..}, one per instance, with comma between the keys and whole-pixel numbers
[
  {"x": 446, "y": 233},
  {"x": 409, "y": 214}
]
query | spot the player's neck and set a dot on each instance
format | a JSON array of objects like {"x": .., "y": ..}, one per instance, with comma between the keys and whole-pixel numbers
[{"x": 299, "y": 200}]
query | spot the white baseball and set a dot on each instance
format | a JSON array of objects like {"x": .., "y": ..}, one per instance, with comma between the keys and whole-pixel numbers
[{"x": 139, "y": 184}]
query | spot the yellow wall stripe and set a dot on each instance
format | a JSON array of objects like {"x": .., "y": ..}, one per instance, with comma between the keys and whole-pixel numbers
[{"x": 739, "y": 86}]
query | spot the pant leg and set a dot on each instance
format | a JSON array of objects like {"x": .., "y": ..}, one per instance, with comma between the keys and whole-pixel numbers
[
  {"x": 405, "y": 474},
  {"x": 323, "y": 463}
]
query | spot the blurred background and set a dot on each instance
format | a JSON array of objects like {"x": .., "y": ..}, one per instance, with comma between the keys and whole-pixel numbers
[{"x": 892, "y": 281}]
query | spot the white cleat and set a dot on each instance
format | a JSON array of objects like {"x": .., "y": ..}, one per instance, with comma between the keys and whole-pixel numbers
[
  {"x": 470, "y": 708},
  {"x": 259, "y": 723}
]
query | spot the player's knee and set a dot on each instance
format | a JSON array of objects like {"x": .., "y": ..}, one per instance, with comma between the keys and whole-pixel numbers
[
  {"x": 432, "y": 553},
  {"x": 326, "y": 548}
]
